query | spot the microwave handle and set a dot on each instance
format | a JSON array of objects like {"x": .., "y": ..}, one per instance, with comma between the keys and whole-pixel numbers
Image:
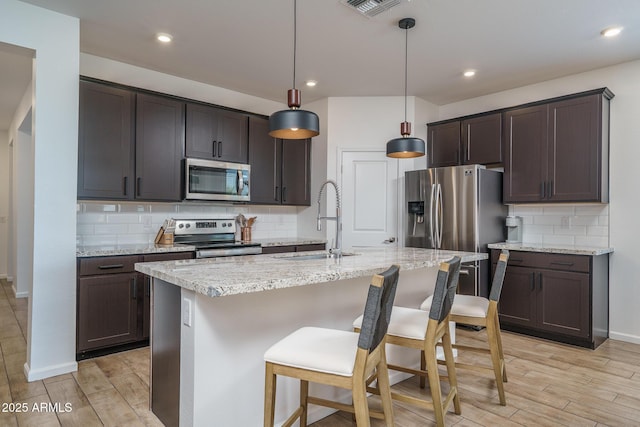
[{"x": 239, "y": 182}]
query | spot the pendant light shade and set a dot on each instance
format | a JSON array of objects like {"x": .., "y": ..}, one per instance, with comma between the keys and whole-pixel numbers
[
  {"x": 406, "y": 146},
  {"x": 294, "y": 123}
]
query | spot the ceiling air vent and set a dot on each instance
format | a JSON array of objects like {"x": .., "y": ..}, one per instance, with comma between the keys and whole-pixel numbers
[{"x": 371, "y": 8}]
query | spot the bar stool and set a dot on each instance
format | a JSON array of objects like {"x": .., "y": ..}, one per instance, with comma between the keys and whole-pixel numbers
[
  {"x": 480, "y": 311},
  {"x": 338, "y": 358},
  {"x": 415, "y": 328}
]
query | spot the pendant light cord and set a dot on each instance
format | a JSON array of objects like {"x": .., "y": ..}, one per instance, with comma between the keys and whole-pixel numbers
[
  {"x": 295, "y": 33},
  {"x": 406, "y": 55}
]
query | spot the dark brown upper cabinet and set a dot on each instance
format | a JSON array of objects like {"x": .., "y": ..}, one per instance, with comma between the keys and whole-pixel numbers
[
  {"x": 444, "y": 144},
  {"x": 482, "y": 140},
  {"x": 159, "y": 148},
  {"x": 557, "y": 151},
  {"x": 280, "y": 169},
  {"x": 130, "y": 144},
  {"x": 105, "y": 142},
  {"x": 216, "y": 134}
]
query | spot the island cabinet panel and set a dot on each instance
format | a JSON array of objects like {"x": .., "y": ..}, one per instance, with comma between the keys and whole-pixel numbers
[
  {"x": 216, "y": 134},
  {"x": 444, "y": 144},
  {"x": 159, "y": 148},
  {"x": 105, "y": 142},
  {"x": 558, "y": 151},
  {"x": 559, "y": 297},
  {"x": 280, "y": 169},
  {"x": 482, "y": 140}
]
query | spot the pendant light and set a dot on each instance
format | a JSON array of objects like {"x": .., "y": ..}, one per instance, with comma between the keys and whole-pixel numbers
[
  {"x": 294, "y": 123},
  {"x": 406, "y": 146}
]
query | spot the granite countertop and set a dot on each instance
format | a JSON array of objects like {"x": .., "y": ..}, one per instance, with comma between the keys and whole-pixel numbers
[
  {"x": 129, "y": 249},
  {"x": 216, "y": 277},
  {"x": 289, "y": 241},
  {"x": 551, "y": 248}
]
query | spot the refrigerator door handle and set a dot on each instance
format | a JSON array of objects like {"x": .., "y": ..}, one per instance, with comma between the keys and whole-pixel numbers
[
  {"x": 440, "y": 216},
  {"x": 431, "y": 212}
]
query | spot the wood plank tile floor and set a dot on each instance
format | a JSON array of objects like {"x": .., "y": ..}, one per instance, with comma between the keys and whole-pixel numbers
[{"x": 549, "y": 384}]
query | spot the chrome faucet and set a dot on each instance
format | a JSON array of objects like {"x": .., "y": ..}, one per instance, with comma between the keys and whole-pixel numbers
[{"x": 336, "y": 249}]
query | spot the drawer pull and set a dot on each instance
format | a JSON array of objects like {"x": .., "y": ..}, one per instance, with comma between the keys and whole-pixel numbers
[
  {"x": 134, "y": 285},
  {"x": 515, "y": 260},
  {"x": 533, "y": 282},
  {"x": 110, "y": 266},
  {"x": 568, "y": 264}
]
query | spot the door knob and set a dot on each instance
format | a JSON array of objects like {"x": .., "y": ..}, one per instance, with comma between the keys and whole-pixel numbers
[{"x": 389, "y": 240}]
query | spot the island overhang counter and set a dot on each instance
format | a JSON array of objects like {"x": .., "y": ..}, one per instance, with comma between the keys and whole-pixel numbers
[{"x": 213, "y": 319}]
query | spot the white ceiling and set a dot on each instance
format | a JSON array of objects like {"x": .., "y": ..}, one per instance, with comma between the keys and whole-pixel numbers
[{"x": 247, "y": 45}]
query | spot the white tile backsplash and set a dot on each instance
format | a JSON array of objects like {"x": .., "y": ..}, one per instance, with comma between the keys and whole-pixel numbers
[
  {"x": 131, "y": 223},
  {"x": 584, "y": 225}
]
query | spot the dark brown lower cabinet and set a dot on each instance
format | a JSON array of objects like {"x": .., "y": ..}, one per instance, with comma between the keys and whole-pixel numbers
[
  {"x": 113, "y": 302},
  {"x": 294, "y": 248},
  {"x": 556, "y": 296}
]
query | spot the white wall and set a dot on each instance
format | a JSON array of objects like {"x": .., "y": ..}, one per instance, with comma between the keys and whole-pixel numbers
[
  {"x": 55, "y": 39},
  {"x": 624, "y": 81},
  {"x": 5, "y": 152},
  {"x": 126, "y": 74}
]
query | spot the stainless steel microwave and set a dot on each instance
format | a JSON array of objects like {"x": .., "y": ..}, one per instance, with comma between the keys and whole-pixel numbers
[{"x": 213, "y": 180}]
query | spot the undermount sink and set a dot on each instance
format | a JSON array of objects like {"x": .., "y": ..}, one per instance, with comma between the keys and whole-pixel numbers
[{"x": 296, "y": 257}]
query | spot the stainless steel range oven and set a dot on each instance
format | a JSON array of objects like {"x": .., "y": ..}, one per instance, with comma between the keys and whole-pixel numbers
[{"x": 213, "y": 237}]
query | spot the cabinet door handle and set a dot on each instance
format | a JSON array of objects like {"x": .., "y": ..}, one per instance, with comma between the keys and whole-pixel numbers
[
  {"x": 110, "y": 266},
  {"x": 213, "y": 149},
  {"x": 219, "y": 148},
  {"x": 543, "y": 190},
  {"x": 275, "y": 193},
  {"x": 550, "y": 189},
  {"x": 134, "y": 286},
  {"x": 284, "y": 194},
  {"x": 540, "y": 281},
  {"x": 124, "y": 185},
  {"x": 138, "y": 186},
  {"x": 147, "y": 287},
  {"x": 533, "y": 282}
]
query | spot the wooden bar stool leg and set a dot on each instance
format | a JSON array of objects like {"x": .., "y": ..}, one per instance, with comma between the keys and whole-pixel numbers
[
  {"x": 360, "y": 404},
  {"x": 495, "y": 359},
  {"x": 434, "y": 384},
  {"x": 451, "y": 371},
  {"x": 304, "y": 393},
  {"x": 384, "y": 386},
  {"x": 500, "y": 351},
  {"x": 269, "y": 395},
  {"x": 423, "y": 367}
]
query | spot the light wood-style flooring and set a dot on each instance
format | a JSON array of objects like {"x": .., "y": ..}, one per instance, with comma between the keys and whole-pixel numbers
[{"x": 549, "y": 385}]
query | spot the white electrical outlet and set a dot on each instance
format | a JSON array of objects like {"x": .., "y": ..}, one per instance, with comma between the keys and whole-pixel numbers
[{"x": 186, "y": 312}]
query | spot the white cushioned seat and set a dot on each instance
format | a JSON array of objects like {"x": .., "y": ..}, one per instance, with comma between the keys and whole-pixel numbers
[
  {"x": 463, "y": 305},
  {"x": 317, "y": 349},
  {"x": 405, "y": 322}
]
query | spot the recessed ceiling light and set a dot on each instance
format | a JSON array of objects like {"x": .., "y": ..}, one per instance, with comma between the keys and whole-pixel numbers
[
  {"x": 164, "y": 37},
  {"x": 611, "y": 32},
  {"x": 469, "y": 73},
  {"x": 311, "y": 83}
]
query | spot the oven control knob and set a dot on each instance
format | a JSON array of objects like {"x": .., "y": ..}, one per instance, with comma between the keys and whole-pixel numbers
[
  {"x": 188, "y": 225},
  {"x": 224, "y": 224},
  {"x": 229, "y": 225},
  {"x": 180, "y": 225}
]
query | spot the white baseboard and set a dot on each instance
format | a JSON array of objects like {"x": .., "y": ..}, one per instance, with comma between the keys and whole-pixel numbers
[
  {"x": 23, "y": 294},
  {"x": 635, "y": 339},
  {"x": 49, "y": 371},
  {"x": 3, "y": 276},
  {"x": 9, "y": 279}
]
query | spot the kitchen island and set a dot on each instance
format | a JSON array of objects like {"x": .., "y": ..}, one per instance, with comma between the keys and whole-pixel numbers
[{"x": 213, "y": 319}]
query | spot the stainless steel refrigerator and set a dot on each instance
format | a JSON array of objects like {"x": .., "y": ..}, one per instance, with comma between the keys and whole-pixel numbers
[{"x": 456, "y": 208}]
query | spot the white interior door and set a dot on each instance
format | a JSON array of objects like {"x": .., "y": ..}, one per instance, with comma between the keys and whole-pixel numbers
[{"x": 369, "y": 185}]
